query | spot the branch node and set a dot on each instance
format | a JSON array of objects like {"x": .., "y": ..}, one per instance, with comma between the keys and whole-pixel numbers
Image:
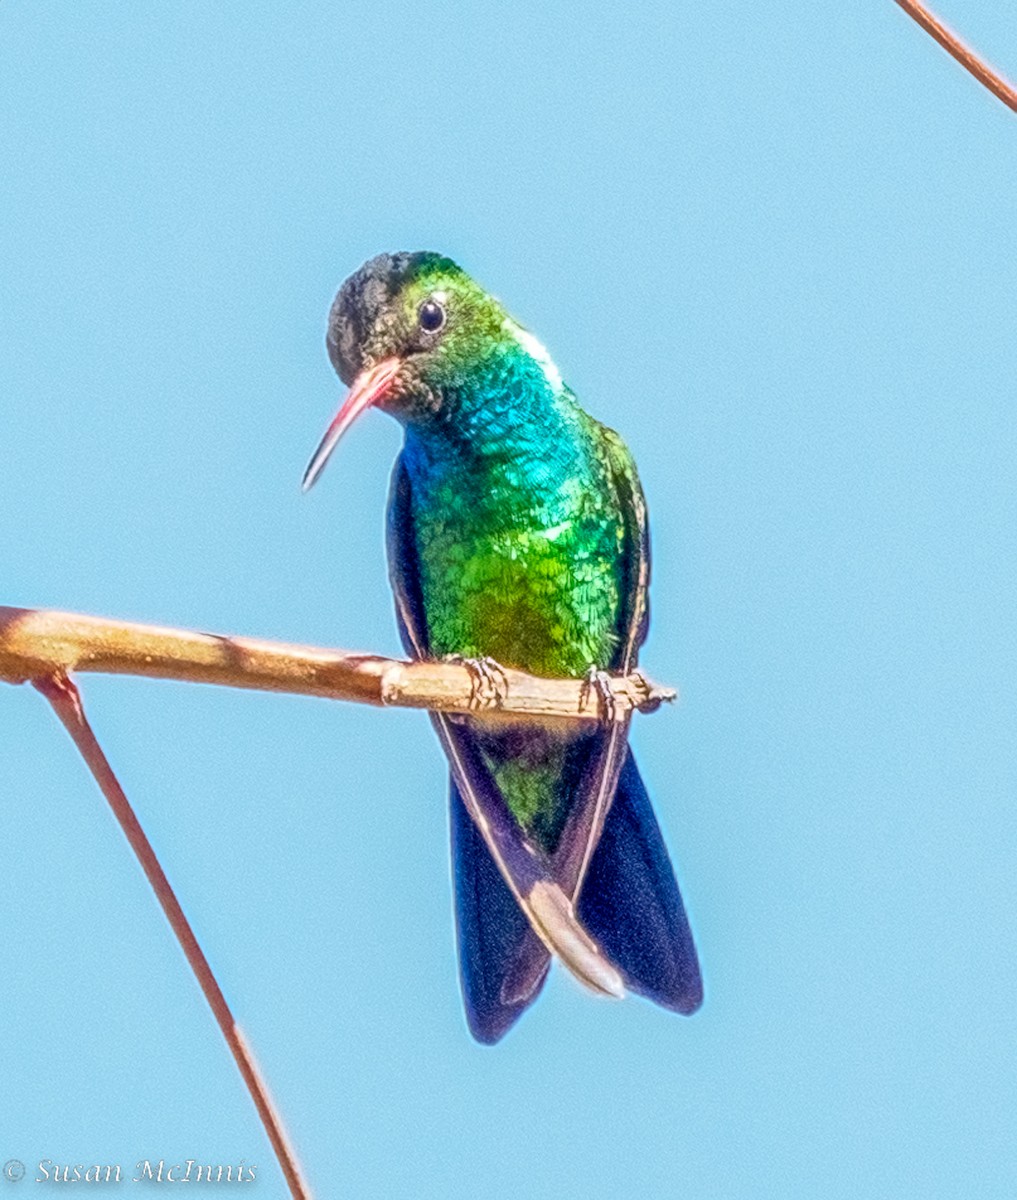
[{"x": 648, "y": 696}]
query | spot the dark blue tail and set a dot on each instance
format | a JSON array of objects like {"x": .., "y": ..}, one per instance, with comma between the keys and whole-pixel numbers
[
  {"x": 630, "y": 903},
  {"x": 490, "y": 929}
]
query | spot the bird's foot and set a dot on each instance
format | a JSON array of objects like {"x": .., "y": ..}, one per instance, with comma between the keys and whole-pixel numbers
[
  {"x": 490, "y": 683},
  {"x": 598, "y": 681}
]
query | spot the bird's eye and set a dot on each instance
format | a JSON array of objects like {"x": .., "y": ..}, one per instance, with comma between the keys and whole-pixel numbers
[{"x": 431, "y": 316}]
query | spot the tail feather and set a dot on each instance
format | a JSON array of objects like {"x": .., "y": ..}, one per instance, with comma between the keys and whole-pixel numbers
[
  {"x": 491, "y": 928},
  {"x": 631, "y": 904}
]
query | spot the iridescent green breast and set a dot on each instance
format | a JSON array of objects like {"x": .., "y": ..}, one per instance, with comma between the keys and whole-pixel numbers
[{"x": 520, "y": 560}]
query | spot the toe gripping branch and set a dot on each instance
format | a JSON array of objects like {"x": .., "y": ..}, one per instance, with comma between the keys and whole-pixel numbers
[
  {"x": 598, "y": 683},
  {"x": 489, "y": 682}
]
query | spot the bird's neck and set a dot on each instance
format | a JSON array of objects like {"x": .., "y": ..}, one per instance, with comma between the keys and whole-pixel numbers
[{"x": 510, "y": 408}]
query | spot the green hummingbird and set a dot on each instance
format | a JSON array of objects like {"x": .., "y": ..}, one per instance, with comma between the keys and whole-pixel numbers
[{"x": 517, "y": 537}]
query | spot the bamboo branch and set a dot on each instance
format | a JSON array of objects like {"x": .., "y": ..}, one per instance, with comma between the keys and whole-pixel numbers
[
  {"x": 967, "y": 58},
  {"x": 40, "y": 644},
  {"x": 63, "y": 696}
]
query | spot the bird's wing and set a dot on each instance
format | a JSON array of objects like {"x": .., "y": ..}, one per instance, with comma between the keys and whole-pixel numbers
[
  {"x": 586, "y": 819},
  {"x": 629, "y": 894},
  {"x": 635, "y": 619},
  {"x": 596, "y": 792},
  {"x": 524, "y": 867}
]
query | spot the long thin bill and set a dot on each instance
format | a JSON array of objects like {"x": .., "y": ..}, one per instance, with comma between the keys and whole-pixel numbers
[{"x": 368, "y": 388}]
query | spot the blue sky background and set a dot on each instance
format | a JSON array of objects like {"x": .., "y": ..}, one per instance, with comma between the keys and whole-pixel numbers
[{"x": 774, "y": 248}]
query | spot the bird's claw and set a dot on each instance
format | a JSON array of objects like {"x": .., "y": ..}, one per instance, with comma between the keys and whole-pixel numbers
[
  {"x": 490, "y": 683},
  {"x": 598, "y": 681}
]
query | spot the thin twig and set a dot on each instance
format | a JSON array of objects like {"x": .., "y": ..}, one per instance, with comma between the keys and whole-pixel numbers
[
  {"x": 38, "y": 643},
  {"x": 967, "y": 58},
  {"x": 66, "y": 701}
]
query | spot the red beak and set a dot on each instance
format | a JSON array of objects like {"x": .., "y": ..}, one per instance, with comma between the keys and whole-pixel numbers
[{"x": 368, "y": 388}]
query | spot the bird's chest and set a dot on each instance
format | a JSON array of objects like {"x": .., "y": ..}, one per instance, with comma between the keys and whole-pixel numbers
[{"x": 521, "y": 569}]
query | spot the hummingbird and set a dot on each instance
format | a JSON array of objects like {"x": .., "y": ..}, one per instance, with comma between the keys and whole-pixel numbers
[{"x": 517, "y": 537}]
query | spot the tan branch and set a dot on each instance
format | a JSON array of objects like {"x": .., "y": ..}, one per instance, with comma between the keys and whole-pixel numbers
[
  {"x": 39, "y": 643},
  {"x": 967, "y": 58}
]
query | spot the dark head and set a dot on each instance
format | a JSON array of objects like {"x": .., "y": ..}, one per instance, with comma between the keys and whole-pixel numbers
[{"x": 406, "y": 330}]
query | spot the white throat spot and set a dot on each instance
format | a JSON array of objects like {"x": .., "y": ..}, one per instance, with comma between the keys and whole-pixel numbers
[{"x": 537, "y": 351}]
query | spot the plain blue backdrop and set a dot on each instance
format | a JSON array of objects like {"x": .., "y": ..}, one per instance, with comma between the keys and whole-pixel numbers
[{"x": 774, "y": 247}]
